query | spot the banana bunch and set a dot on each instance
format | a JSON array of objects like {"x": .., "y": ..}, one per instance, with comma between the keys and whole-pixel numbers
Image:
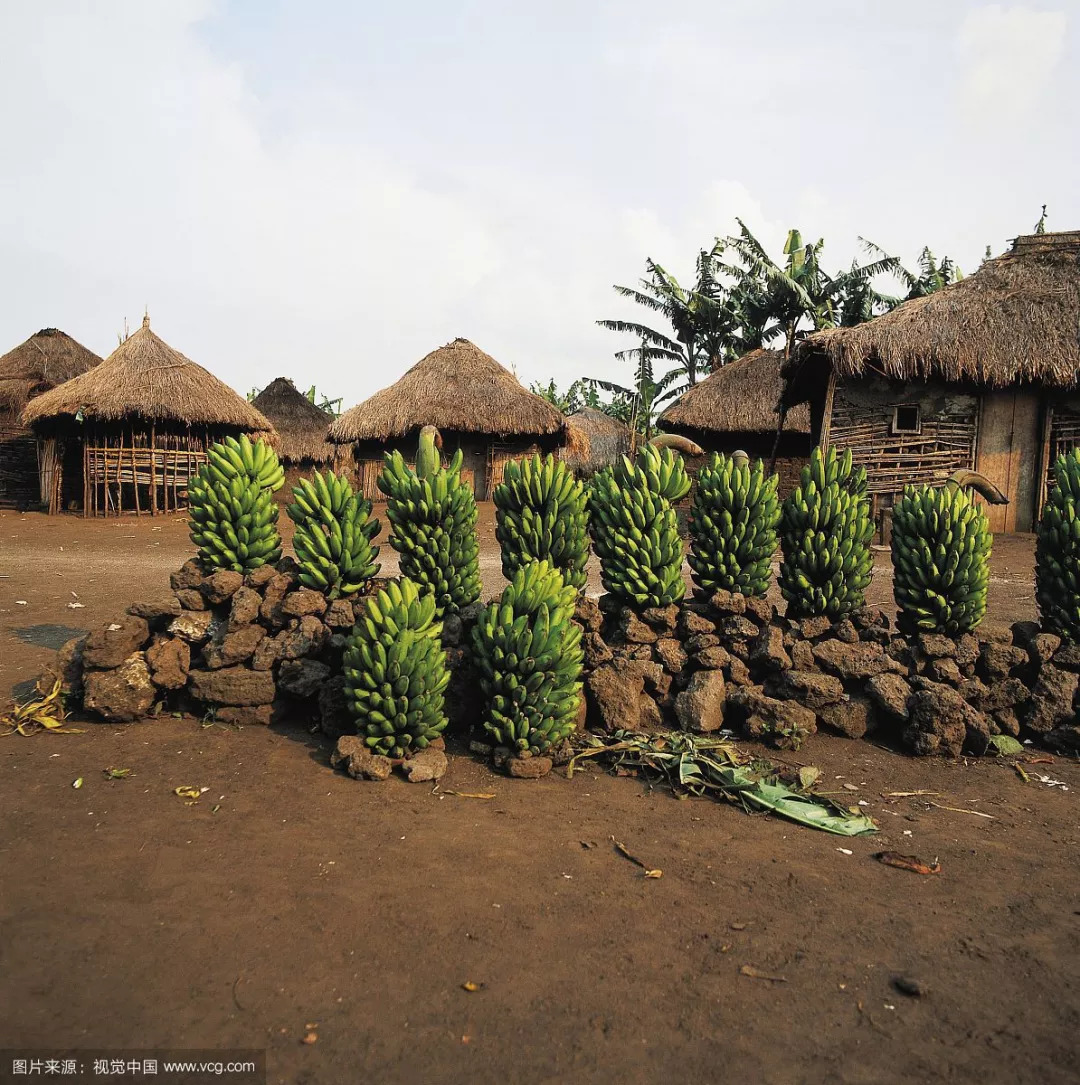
[
  {"x": 541, "y": 514},
  {"x": 231, "y": 509},
  {"x": 1057, "y": 552},
  {"x": 635, "y": 529},
  {"x": 529, "y": 655},
  {"x": 334, "y": 533},
  {"x": 940, "y": 553},
  {"x": 395, "y": 671},
  {"x": 433, "y": 522},
  {"x": 733, "y": 520},
  {"x": 825, "y": 532}
]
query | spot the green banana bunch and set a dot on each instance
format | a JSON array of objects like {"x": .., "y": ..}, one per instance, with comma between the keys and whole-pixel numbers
[
  {"x": 635, "y": 529},
  {"x": 529, "y": 655},
  {"x": 395, "y": 671},
  {"x": 433, "y": 526},
  {"x": 334, "y": 533},
  {"x": 232, "y": 514},
  {"x": 940, "y": 553},
  {"x": 733, "y": 520},
  {"x": 825, "y": 533},
  {"x": 1057, "y": 552},
  {"x": 541, "y": 514}
]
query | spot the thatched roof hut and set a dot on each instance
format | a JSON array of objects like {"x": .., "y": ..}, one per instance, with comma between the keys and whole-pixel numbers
[
  {"x": 1013, "y": 321},
  {"x": 301, "y": 426},
  {"x": 982, "y": 375},
  {"x": 738, "y": 399},
  {"x": 141, "y": 421},
  {"x": 606, "y": 438},
  {"x": 457, "y": 388},
  {"x": 48, "y": 358},
  {"x": 476, "y": 404},
  {"x": 145, "y": 379}
]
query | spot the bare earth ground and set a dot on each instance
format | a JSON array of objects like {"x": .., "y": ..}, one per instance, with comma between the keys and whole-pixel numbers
[{"x": 130, "y": 919}]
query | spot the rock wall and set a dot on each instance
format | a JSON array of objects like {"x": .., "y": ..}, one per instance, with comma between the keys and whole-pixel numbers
[{"x": 255, "y": 649}]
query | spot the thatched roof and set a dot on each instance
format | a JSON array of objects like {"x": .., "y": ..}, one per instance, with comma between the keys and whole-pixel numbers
[
  {"x": 144, "y": 378},
  {"x": 46, "y": 359},
  {"x": 605, "y": 440},
  {"x": 740, "y": 397},
  {"x": 457, "y": 387},
  {"x": 301, "y": 426},
  {"x": 1014, "y": 320}
]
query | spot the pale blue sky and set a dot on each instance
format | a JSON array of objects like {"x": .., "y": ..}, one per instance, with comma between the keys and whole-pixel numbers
[{"x": 328, "y": 190}]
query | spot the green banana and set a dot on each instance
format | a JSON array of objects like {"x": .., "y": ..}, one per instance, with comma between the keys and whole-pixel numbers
[
  {"x": 635, "y": 529},
  {"x": 825, "y": 533},
  {"x": 433, "y": 525},
  {"x": 334, "y": 535},
  {"x": 395, "y": 671},
  {"x": 232, "y": 516},
  {"x": 733, "y": 521},
  {"x": 1057, "y": 552},
  {"x": 528, "y": 653},
  {"x": 541, "y": 513},
  {"x": 941, "y": 544}
]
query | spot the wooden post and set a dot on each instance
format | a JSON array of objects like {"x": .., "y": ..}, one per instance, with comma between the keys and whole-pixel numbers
[
  {"x": 153, "y": 470},
  {"x": 826, "y": 414},
  {"x": 135, "y": 476}
]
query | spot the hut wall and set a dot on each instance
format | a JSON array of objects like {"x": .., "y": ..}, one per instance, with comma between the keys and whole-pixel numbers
[
  {"x": 19, "y": 486},
  {"x": 860, "y": 414},
  {"x": 792, "y": 453},
  {"x": 484, "y": 459},
  {"x": 1061, "y": 435}
]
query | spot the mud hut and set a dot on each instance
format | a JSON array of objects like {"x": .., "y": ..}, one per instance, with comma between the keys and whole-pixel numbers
[
  {"x": 981, "y": 374},
  {"x": 737, "y": 407},
  {"x": 602, "y": 441},
  {"x": 301, "y": 428},
  {"x": 477, "y": 405},
  {"x": 136, "y": 427},
  {"x": 45, "y": 360}
]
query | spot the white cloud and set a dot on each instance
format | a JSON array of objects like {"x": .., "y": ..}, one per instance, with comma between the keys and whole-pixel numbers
[{"x": 1008, "y": 56}]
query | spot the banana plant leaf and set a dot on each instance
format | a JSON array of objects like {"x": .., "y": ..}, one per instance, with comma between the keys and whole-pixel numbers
[{"x": 701, "y": 765}]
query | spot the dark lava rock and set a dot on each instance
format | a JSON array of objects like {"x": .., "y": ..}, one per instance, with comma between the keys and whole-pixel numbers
[
  {"x": 233, "y": 647},
  {"x": 190, "y": 599},
  {"x": 944, "y": 670},
  {"x": 1051, "y": 699},
  {"x": 767, "y": 650},
  {"x": 726, "y": 603},
  {"x": 937, "y": 646},
  {"x": 221, "y": 586},
  {"x": 802, "y": 656},
  {"x": 335, "y": 719},
  {"x": 809, "y": 688},
  {"x": 587, "y": 614},
  {"x": 304, "y": 638},
  {"x": 194, "y": 626},
  {"x": 340, "y": 615},
  {"x": 890, "y": 693},
  {"x": 662, "y": 619},
  {"x": 159, "y": 613},
  {"x": 691, "y": 622},
  {"x": 425, "y": 765},
  {"x": 716, "y": 659},
  {"x": 121, "y": 694},
  {"x": 112, "y": 644},
  {"x": 1042, "y": 647},
  {"x": 358, "y": 761},
  {"x": 852, "y": 717},
  {"x": 245, "y": 607},
  {"x": 1000, "y": 660},
  {"x": 633, "y": 630},
  {"x": 853, "y": 661},
  {"x": 670, "y": 654},
  {"x": 529, "y": 768},
  {"x": 596, "y": 649},
  {"x": 189, "y": 575},
  {"x": 302, "y": 677},
  {"x": 260, "y": 577},
  {"x": 942, "y": 723},
  {"x": 785, "y": 724},
  {"x": 232, "y": 686},
  {"x": 845, "y": 630},
  {"x": 738, "y": 628},
  {"x": 169, "y": 659},
  {"x": 700, "y": 707},
  {"x": 303, "y": 601}
]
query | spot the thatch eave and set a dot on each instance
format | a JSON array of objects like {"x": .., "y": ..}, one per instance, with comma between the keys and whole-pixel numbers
[{"x": 300, "y": 424}]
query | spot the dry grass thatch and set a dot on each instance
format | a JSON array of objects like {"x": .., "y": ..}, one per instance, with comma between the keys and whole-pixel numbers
[
  {"x": 301, "y": 426},
  {"x": 1014, "y": 320},
  {"x": 145, "y": 379},
  {"x": 740, "y": 397},
  {"x": 457, "y": 387},
  {"x": 48, "y": 358},
  {"x": 602, "y": 440}
]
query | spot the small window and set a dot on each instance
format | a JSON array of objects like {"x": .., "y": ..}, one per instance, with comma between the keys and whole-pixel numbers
[{"x": 907, "y": 418}]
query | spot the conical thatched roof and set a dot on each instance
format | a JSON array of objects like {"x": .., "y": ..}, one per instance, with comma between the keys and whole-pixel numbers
[
  {"x": 740, "y": 397},
  {"x": 301, "y": 426},
  {"x": 606, "y": 439},
  {"x": 1014, "y": 320},
  {"x": 144, "y": 378},
  {"x": 457, "y": 387},
  {"x": 46, "y": 359}
]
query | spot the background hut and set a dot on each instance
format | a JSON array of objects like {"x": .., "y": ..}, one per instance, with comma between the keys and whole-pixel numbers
[
  {"x": 45, "y": 360},
  {"x": 737, "y": 407},
  {"x": 301, "y": 428},
  {"x": 477, "y": 405},
  {"x": 603, "y": 440},
  {"x": 141, "y": 421},
  {"x": 981, "y": 374}
]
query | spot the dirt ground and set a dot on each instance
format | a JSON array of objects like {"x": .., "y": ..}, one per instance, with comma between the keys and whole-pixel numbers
[{"x": 292, "y": 899}]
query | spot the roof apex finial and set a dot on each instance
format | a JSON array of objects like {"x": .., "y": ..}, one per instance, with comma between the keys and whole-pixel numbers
[{"x": 146, "y": 317}]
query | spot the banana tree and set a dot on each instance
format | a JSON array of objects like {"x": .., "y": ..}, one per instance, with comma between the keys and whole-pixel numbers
[{"x": 637, "y": 405}]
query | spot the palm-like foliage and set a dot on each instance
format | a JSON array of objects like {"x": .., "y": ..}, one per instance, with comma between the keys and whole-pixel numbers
[
  {"x": 930, "y": 277},
  {"x": 581, "y": 393},
  {"x": 637, "y": 405}
]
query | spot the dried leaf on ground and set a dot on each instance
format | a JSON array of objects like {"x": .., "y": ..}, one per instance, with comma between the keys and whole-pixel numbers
[
  {"x": 471, "y": 986},
  {"x": 700, "y": 765},
  {"x": 757, "y": 974},
  {"x": 650, "y": 872},
  {"x": 470, "y": 794},
  {"x": 908, "y": 862},
  {"x": 42, "y": 714},
  {"x": 117, "y": 774},
  {"x": 187, "y": 792}
]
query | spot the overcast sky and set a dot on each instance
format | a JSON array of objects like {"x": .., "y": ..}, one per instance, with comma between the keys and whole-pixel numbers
[{"x": 327, "y": 189}]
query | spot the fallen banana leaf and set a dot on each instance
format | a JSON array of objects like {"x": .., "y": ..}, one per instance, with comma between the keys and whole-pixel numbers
[
  {"x": 470, "y": 794},
  {"x": 44, "y": 714},
  {"x": 908, "y": 862},
  {"x": 116, "y": 774},
  {"x": 1006, "y": 745},
  {"x": 187, "y": 792},
  {"x": 701, "y": 765}
]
